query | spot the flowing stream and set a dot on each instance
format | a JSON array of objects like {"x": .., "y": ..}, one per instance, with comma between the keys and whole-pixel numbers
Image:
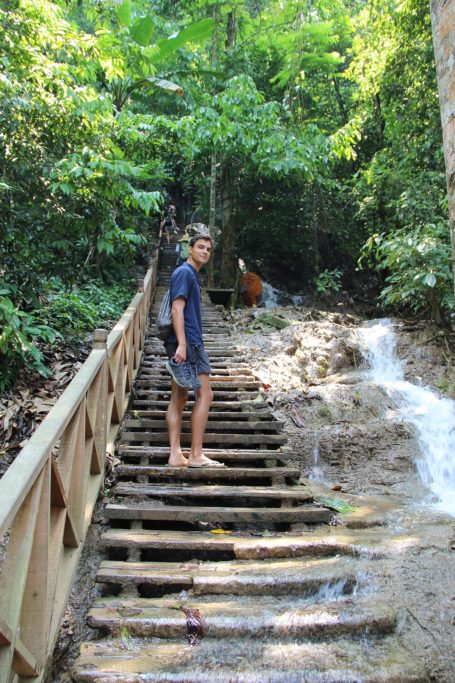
[{"x": 432, "y": 417}]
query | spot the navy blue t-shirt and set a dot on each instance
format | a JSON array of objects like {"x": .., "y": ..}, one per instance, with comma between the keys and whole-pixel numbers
[{"x": 185, "y": 283}]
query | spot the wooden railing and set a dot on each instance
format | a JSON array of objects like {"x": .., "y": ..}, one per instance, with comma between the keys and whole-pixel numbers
[{"x": 48, "y": 494}]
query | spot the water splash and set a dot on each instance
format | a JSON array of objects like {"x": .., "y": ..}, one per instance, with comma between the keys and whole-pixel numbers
[
  {"x": 272, "y": 297},
  {"x": 433, "y": 417},
  {"x": 316, "y": 473}
]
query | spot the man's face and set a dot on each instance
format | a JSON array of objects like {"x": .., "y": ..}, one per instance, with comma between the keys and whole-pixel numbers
[{"x": 200, "y": 251}]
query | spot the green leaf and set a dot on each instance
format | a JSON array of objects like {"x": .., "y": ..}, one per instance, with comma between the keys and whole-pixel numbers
[
  {"x": 198, "y": 31},
  {"x": 124, "y": 13},
  {"x": 142, "y": 31},
  {"x": 152, "y": 82},
  {"x": 430, "y": 279}
]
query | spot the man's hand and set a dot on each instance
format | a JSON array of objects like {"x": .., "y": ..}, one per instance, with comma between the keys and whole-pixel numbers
[{"x": 180, "y": 354}]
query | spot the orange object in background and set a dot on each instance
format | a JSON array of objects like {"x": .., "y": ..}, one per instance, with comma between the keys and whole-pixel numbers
[{"x": 251, "y": 288}]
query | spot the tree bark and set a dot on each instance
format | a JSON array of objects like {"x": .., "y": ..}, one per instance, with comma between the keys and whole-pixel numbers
[
  {"x": 212, "y": 201},
  {"x": 443, "y": 24},
  {"x": 212, "y": 217},
  {"x": 228, "y": 266}
]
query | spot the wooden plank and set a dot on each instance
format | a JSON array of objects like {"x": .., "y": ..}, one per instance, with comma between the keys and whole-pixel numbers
[
  {"x": 209, "y": 437},
  {"x": 253, "y": 415},
  {"x": 186, "y": 513},
  {"x": 225, "y": 455},
  {"x": 253, "y": 616},
  {"x": 233, "y": 425},
  {"x": 167, "y": 540},
  {"x": 24, "y": 662},
  {"x": 298, "y": 493},
  {"x": 208, "y": 473}
]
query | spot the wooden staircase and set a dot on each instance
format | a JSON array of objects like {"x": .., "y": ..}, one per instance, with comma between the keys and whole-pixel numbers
[{"x": 228, "y": 574}]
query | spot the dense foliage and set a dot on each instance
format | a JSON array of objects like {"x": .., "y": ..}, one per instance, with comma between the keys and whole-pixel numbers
[{"x": 314, "y": 124}]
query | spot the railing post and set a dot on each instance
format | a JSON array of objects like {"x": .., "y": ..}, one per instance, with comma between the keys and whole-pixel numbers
[
  {"x": 101, "y": 409},
  {"x": 100, "y": 339}
]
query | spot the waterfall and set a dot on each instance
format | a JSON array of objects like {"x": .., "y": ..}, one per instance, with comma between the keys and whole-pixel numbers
[{"x": 432, "y": 417}]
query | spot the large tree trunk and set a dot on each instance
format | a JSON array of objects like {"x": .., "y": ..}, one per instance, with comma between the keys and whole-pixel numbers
[
  {"x": 228, "y": 266},
  {"x": 443, "y": 23},
  {"x": 212, "y": 218}
]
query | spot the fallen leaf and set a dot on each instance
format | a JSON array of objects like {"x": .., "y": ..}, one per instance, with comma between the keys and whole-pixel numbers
[
  {"x": 220, "y": 531},
  {"x": 297, "y": 420}
]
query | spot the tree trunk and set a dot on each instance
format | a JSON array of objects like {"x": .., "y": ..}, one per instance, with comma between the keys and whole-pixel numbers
[
  {"x": 443, "y": 24},
  {"x": 212, "y": 201},
  {"x": 212, "y": 218},
  {"x": 228, "y": 266}
]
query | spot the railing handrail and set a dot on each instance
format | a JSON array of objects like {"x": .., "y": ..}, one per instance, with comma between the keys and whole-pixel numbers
[
  {"x": 48, "y": 493},
  {"x": 22, "y": 472}
]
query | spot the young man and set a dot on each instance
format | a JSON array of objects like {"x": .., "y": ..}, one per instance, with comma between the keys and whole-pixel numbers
[{"x": 188, "y": 362}]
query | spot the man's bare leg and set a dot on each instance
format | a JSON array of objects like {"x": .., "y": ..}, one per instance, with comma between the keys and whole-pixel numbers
[
  {"x": 174, "y": 412},
  {"x": 199, "y": 417}
]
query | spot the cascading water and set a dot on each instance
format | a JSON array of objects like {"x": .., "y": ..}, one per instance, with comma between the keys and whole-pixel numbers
[{"x": 432, "y": 417}]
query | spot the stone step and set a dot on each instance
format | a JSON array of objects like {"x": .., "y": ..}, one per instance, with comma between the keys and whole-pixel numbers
[
  {"x": 257, "y": 616},
  {"x": 149, "y": 660},
  {"x": 213, "y": 425},
  {"x": 150, "y": 454},
  {"x": 300, "y": 494},
  {"x": 234, "y": 474},
  {"x": 263, "y": 577},
  {"x": 218, "y": 515}
]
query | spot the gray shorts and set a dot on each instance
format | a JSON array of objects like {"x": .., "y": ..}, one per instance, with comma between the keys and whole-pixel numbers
[{"x": 195, "y": 354}]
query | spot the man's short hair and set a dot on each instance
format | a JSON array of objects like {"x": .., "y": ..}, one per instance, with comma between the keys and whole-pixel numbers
[{"x": 200, "y": 236}]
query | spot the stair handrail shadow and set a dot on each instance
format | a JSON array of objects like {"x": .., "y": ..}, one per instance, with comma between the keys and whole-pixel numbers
[{"x": 48, "y": 493}]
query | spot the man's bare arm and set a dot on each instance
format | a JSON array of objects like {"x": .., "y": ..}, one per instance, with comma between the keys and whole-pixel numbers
[{"x": 178, "y": 306}]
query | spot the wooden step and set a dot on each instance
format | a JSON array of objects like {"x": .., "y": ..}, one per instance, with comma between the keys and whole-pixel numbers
[
  {"x": 209, "y": 438},
  {"x": 241, "y": 406},
  {"x": 235, "y": 474},
  {"x": 246, "y": 616},
  {"x": 274, "y": 545},
  {"x": 263, "y": 577},
  {"x": 297, "y": 493},
  {"x": 262, "y": 415},
  {"x": 218, "y": 515},
  {"x": 252, "y": 661},
  {"x": 246, "y": 425},
  {"x": 224, "y": 455}
]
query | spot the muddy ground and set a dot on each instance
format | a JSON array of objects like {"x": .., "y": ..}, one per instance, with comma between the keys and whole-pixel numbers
[{"x": 313, "y": 377}]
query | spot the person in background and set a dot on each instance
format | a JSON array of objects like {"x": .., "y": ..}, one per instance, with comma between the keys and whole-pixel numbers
[
  {"x": 168, "y": 223},
  {"x": 182, "y": 249},
  {"x": 251, "y": 289}
]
